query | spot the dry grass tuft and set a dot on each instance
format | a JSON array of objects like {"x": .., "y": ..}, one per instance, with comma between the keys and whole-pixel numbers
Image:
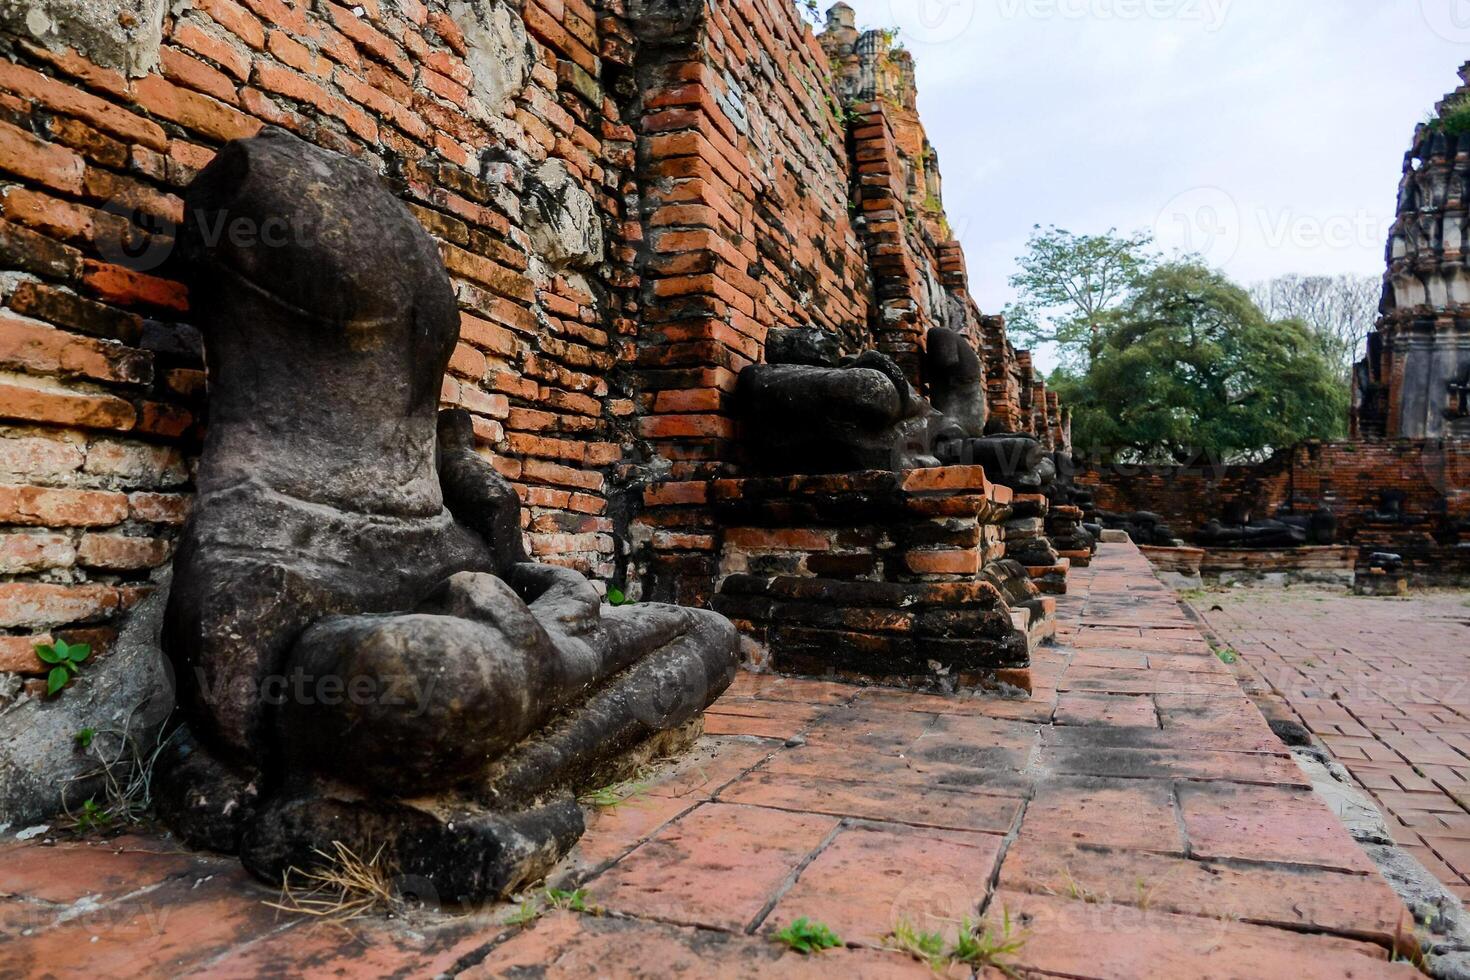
[{"x": 342, "y": 888}]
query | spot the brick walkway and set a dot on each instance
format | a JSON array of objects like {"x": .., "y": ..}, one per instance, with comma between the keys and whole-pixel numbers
[
  {"x": 1136, "y": 817},
  {"x": 1385, "y": 685}
]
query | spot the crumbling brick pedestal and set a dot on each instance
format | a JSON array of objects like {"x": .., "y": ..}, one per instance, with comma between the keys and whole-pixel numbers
[{"x": 894, "y": 577}]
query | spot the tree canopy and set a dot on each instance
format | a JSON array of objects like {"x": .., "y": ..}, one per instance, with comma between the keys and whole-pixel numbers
[
  {"x": 1070, "y": 284},
  {"x": 1188, "y": 365}
]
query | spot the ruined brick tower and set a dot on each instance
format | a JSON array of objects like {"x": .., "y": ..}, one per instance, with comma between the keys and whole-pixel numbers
[{"x": 1415, "y": 381}]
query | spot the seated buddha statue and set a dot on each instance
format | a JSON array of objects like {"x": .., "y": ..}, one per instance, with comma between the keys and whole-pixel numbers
[{"x": 362, "y": 650}]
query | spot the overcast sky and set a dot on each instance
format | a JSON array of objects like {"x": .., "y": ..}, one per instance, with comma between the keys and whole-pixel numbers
[{"x": 1268, "y": 134}]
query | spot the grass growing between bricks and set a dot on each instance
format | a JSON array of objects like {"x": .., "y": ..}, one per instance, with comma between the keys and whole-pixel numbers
[
  {"x": 531, "y": 907},
  {"x": 807, "y": 937},
  {"x": 973, "y": 946}
]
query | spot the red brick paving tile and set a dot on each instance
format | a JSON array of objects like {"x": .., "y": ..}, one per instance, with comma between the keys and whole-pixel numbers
[
  {"x": 1038, "y": 708},
  {"x": 944, "y": 808},
  {"x": 1374, "y": 777},
  {"x": 613, "y": 831},
  {"x": 1266, "y": 824},
  {"x": 717, "y": 866},
  {"x": 1453, "y": 852},
  {"x": 1211, "y": 712},
  {"x": 1424, "y": 749},
  {"x": 892, "y": 699},
  {"x": 1081, "y": 760},
  {"x": 869, "y": 879},
  {"x": 1357, "y": 906},
  {"x": 1189, "y": 663},
  {"x": 1449, "y": 826},
  {"x": 1127, "y": 659},
  {"x": 1124, "y": 681},
  {"x": 1431, "y": 861},
  {"x": 1107, "y": 710},
  {"x": 712, "y": 763},
  {"x": 1134, "y": 813},
  {"x": 66, "y": 872},
  {"x": 1431, "y": 802},
  {"x": 367, "y": 949},
  {"x": 1175, "y": 740},
  {"x": 869, "y": 728},
  {"x": 975, "y": 744},
  {"x": 1392, "y": 667},
  {"x": 1079, "y": 939},
  {"x": 1151, "y": 641},
  {"x": 1360, "y": 748},
  {"x": 839, "y": 763},
  {"x": 181, "y": 925},
  {"x": 773, "y": 687},
  {"x": 564, "y": 945},
  {"x": 765, "y": 719}
]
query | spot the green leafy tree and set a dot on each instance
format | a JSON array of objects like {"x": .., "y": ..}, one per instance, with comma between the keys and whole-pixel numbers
[
  {"x": 1070, "y": 284},
  {"x": 1191, "y": 366}
]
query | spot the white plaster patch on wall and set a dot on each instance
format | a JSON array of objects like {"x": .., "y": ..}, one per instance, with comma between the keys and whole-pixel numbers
[
  {"x": 562, "y": 218},
  {"x": 500, "y": 53},
  {"x": 120, "y": 34}
]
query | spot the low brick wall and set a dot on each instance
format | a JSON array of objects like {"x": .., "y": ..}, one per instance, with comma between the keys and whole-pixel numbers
[
  {"x": 1348, "y": 478},
  {"x": 862, "y": 574}
]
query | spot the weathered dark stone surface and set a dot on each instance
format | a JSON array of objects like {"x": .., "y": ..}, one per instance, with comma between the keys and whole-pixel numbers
[
  {"x": 807, "y": 410},
  {"x": 354, "y": 623},
  {"x": 956, "y": 380},
  {"x": 1143, "y": 527},
  {"x": 1240, "y": 529},
  {"x": 859, "y": 415}
]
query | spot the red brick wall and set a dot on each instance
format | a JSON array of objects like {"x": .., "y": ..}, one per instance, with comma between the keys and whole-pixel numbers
[
  {"x": 746, "y": 183},
  {"x": 101, "y": 380},
  {"x": 714, "y": 151},
  {"x": 1347, "y": 476}
]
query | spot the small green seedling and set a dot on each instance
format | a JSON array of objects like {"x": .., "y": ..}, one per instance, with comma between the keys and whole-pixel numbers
[
  {"x": 807, "y": 937},
  {"x": 93, "y": 817},
  {"x": 84, "y": 738},
  {"x": 607, "y": 797},
  {"x": 617, "y": 597},
  {"x": 575, "y": 901},
  {"x": 525, "y": 913},
  {"x": 65, "y": 659},
  {"x": 1227, "y": 656},
  {"x": 927, "y": 946}
]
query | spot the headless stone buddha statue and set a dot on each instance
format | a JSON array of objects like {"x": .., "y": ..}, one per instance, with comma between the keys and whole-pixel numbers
[
  {"x": 363, "y": 653},
  {"x": 810, "y": 410},
  {"x": 956, "y": 382},
  {"x": 1239, "y": 529}
]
